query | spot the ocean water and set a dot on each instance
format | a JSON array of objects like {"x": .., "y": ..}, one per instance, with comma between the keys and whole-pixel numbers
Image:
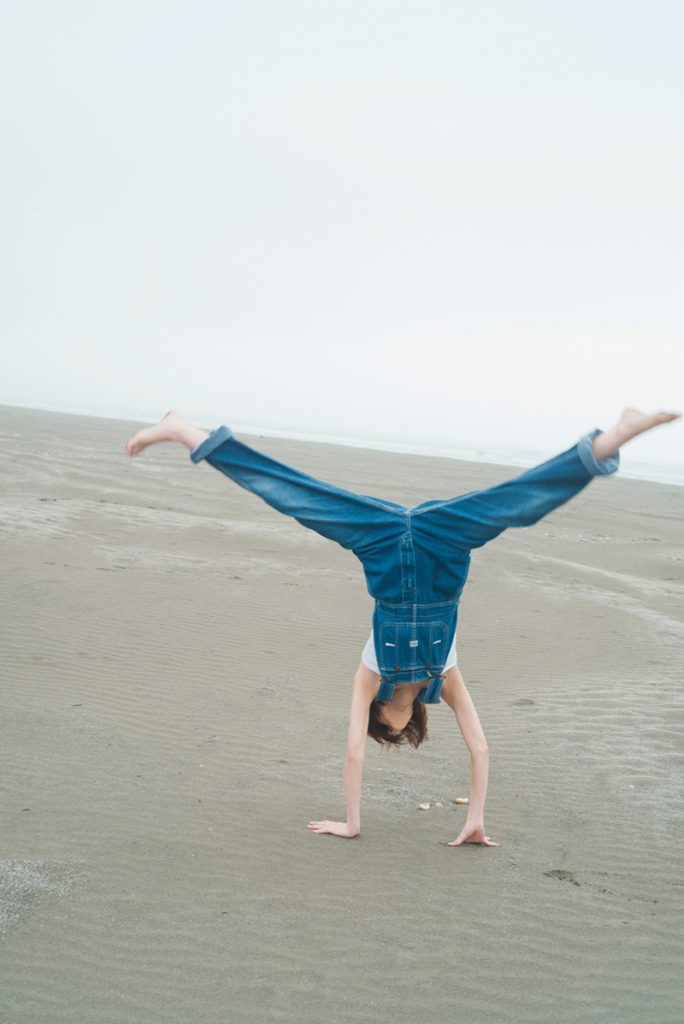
[{"x": 662, "y": 473}]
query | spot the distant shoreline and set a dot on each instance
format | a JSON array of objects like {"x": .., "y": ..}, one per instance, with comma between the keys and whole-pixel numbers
[{"x": 519, "y": 457}]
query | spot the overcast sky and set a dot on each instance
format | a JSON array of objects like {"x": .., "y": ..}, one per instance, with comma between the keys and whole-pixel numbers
[{"x": 454, "y": 221}]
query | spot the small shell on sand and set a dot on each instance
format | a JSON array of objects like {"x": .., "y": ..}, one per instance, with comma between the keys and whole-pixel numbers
[
  {"x": 423, "y": 807},
  {"x": 461, "y": 800},
  {"x": 439, "y": 804}
]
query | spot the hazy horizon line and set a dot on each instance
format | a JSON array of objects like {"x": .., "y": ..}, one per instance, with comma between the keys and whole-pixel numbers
[{"x": 668, "y": 473}]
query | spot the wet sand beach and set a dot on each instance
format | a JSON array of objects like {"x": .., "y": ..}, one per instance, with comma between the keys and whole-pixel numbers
[{"x": 176, "y": 672}]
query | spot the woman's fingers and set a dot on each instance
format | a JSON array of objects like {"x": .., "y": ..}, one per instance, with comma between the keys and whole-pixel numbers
[
  {"x": 335, "y": 828},
  {"x": 470, "y": 838}
]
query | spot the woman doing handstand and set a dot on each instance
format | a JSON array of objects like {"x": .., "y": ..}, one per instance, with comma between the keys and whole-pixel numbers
[{"x": 416, "y": 562}]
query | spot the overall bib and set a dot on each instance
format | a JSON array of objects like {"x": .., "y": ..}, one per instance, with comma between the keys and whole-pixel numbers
[{"x": 415, "y": 560}]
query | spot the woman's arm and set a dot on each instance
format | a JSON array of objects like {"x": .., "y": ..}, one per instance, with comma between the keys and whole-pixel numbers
[
  {"x": 364, "y": 690},
  {"x": 456, "y": 695}
]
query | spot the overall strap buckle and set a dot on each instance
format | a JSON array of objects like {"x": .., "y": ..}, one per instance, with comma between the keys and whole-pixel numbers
[
  {"x": 386, "y": 691},
  {"x": 431, "y": 693}
]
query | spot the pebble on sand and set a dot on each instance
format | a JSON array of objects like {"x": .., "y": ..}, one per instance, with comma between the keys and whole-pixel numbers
[
  {"x": 424, "y": 807},
  {"x": 439, "y": 804},
  {"x": 461, "y": 800}
]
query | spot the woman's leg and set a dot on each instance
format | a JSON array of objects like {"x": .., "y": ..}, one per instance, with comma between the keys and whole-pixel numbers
[
  {"x": 355, "y": 521},
  {"x": 469, "y": 521}
]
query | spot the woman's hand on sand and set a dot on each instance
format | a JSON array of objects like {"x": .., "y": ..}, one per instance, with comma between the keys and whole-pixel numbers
[
  {"x": 472, "y": 834},
  {"x": 333, "y": 828}
]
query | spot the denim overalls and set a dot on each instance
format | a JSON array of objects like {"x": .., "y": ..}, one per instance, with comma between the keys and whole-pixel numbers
[{"x": 416, "y": 560}]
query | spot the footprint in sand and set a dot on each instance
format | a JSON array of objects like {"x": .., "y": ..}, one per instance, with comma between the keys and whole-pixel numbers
[
  {"x": 564, "y": 876},
  {"x": 269, "y": 690}
]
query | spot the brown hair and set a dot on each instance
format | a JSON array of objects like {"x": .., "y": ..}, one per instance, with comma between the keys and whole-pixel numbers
[{"x": 414, "y": 732}]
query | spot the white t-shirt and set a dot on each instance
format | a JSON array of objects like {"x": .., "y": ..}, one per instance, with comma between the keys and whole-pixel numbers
[{"x": 371, "y": 662}]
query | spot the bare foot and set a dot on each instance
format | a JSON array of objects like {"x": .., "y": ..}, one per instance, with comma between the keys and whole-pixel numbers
[
  {"x": 633, "y": 422},
  {"x": 170, "y": 428}
]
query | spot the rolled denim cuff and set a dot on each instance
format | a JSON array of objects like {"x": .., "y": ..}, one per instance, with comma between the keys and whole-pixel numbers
[
  {"x": 589, "y": 460},
  {"x": 215, "y": 439}
]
